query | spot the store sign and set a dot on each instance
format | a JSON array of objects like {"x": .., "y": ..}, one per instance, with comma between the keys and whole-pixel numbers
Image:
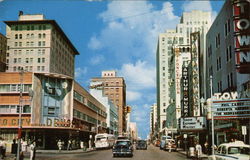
[
  {"x": 14, "y": 121},
  {"x": 54, "y": 122},
  {"x": 228, "y": 109},
  {"x": 241, "y": 10},
  {"x": 193, "y": 123},
  {"x": 185, "y": 100},
  {"x": 195, "y": 79}
]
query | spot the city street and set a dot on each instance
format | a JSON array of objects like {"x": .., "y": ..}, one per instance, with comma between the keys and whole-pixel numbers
[{"x": 153, "y": 153}]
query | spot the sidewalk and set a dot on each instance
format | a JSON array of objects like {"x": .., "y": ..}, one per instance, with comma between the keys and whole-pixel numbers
[
  {"x": 180, "y": 150},
  {"x": 10, "y": 156}
]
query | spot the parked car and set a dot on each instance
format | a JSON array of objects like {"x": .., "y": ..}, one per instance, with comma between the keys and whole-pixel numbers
[
  {"x": 141, "y": 144},
  {"x": 170, "y": 143},
  {"x": 123, "y": 148},
  {"x": 231, "y": 151},
  {"x": 163, "y": 141}
]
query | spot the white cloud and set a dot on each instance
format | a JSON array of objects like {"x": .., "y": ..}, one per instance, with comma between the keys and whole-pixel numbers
[
  {"x": 1, "y": 1},
  {"x": 97, "y": 59},
  {"x": 79, "y": 72},
  {"x": 197, "y": 5},
  {"x": 132, "y": 29},
  {"x": 133, "y": 96},
  {"x": 139, "y": 76},
  {"x": 94, "y": 43},
  {"x": 140, "y": 114}
]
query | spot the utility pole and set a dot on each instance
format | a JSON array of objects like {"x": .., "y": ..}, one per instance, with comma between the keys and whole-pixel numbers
[
  {"x": 212, "y": 112},
  {"x": 20, "y": 114}
]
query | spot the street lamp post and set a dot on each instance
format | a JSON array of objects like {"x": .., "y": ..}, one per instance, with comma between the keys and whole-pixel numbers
[
  {"x": 212, "y": 113},
  {"x": 20, "y": 114}
]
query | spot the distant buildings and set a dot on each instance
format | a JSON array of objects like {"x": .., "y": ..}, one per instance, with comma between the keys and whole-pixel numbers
[
  {"x": 96, "y": 90},
  {"x": 170, "y": 58},
  {"x": 39, "y": 45},
  {"x": 3, "y": 48},
  {"x": 115, "y": 90}
]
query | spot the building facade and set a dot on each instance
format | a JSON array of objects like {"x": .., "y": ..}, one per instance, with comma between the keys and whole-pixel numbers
[
  {"x": 115, "y": 90},
  {"x": 228, "y": 52},
  {"x": 53, "y": 106},
  {"x": 170, "y": 61},
  {"x": 96, "y": 90},
  {"x": 3, "y": 48},
  {"x": 38, "y": 45}
]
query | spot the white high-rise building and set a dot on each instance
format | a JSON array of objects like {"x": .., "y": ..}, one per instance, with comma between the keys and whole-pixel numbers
[{"x": 169, "y": 66}]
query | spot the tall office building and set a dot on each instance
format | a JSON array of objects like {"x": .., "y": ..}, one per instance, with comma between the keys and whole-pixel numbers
[
  {"x": 115, "y": 90},
  {"x": 169, "y": 65},
  {"x": 39, "y": 45},
  {"x": 3, "y": 48},
  {"x": 153, "y": 120}
]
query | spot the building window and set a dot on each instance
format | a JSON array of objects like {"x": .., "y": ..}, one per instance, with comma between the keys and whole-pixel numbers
[
  {"x": 43, "y": 68},
  {"x": 32, "y": 27},
  {"x": 231, "y": 76},
  {"x": 14, "y": 60},
  {"x": 32, "y": 35},
  {"x": 39, "y": 43},
  {"x": 20, "y": 44},
  {"x": 43, "y": 60},
  {"x": 20, "y": 36},
  {"x": 16, "y": 44},
  {"x": 16, "y": 36},
  {"x": 39, "y": 35},
  {"x": 44, "y": 35},
  {"x": 27, "y": 36},
  {"x": 38, "y": 68},
  {"x": 38, "y": 60}
]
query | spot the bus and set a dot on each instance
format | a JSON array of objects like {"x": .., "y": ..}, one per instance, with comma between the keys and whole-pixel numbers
[{"x": 104, "y": 140}]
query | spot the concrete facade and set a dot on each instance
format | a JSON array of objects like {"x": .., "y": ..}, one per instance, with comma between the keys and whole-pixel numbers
[
  {"x": 39, "y": 45},
  {"x": 115, "y": 90},
  {"x": 3, "y": 49},
  {"x": 169, "y": 62}
]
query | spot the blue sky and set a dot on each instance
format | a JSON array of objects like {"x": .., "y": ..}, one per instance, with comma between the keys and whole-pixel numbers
[{"x": 119, "y": 35}]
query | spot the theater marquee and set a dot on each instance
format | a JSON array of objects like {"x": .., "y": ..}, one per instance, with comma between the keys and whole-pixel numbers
[{"x": 241, "y": 18}]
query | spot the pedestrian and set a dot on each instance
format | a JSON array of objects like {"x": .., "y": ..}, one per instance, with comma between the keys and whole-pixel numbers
[
  {"x": 1, "y": 147},
  {"x": 59, "y": 145},
  {"x": 169, "y": 146},
  {"x": 4, "y": 145},
  {"x": 206, "y": 147},
  {"x": 198, "y": 150},
  {"x": 32, "y": 150},
  {"x": 69, "y": 145}
]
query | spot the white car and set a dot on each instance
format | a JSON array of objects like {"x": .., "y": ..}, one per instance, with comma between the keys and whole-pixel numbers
[{"x": 232, "y": 151}]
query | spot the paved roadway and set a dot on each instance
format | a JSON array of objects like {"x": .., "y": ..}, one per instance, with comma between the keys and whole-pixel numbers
[{"x": 153, "y": 153}]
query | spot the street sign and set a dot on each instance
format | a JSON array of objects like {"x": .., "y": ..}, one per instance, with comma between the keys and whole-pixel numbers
[
  {"x": 185, "y": 135},
  {"x": 244, "y": 130},
  {"x": 193, "y": 123}
]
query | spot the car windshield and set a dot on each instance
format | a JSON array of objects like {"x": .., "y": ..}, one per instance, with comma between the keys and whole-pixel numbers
[
  {"x": 122, "y": 143},
  {"x": 238, "y": 150},
  {"x": 141, "y": 142},
  {"x": 101, "y": 138}
]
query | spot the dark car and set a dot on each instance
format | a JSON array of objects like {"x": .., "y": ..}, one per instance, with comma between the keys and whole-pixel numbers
[
  {"x": 123, "y": 148},
  {"x": 141, "y": 144}
]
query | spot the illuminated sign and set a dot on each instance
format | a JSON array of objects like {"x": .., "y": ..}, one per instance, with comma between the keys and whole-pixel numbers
[
  {"x": 227, "y": 109},
  {"x": 185, "y": 89},
  {"x": 193, "y": 123},
  {"x": 241, "y": 10},
  {"x": 195, "y": 80}
]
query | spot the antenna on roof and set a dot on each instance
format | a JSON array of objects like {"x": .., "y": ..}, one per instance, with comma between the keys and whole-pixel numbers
[{"x": 20, "y": 13}]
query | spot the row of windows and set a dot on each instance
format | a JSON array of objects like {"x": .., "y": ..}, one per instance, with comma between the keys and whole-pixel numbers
[
  {"x": 28, "y": 60},
  {"x": 28, "y": 27},
  {"x": 196, "y": 22},
  {"x": 81, "y": 99},
  {"x": 30, "y": 44},
  {"x": 20, "y": 36},
  {"x": 14, "y": 88},
  {"x": 14, "y": 109}
]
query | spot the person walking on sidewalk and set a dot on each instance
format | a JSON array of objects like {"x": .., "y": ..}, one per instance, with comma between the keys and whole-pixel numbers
[
  {"x": 198, "y": 151},
  {"x": 59, "y": 145},
  {"x": 169, "y": 146},
  {"x": 69, "y": 145},
  {"x": 3, "y": 150},
  {"x": 32, "y": 150}
]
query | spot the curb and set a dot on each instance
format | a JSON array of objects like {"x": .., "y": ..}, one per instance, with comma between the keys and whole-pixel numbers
[{"x": 63, "y": 152}]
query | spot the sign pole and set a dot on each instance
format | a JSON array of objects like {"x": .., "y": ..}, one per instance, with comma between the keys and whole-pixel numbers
[{"x": 212, "y": 113}]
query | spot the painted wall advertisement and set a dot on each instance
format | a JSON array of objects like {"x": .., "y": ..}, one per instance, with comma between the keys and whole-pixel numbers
[{"x": 241, "y": 18}]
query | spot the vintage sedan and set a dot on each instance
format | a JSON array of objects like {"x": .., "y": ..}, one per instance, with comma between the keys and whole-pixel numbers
[
  {"x": 123, "y": 148},
  {"x": 231, "y": 151},
  {"x": 141, "y": 144}
]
